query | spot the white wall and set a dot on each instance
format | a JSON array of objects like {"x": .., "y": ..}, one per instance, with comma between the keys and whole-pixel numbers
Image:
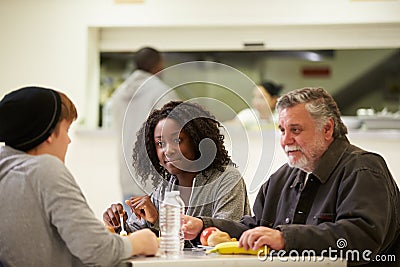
[{"x": 54, "y": 43}]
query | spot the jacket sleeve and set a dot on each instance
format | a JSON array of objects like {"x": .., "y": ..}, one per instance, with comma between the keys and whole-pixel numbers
[{"x": 236, "y": 228}]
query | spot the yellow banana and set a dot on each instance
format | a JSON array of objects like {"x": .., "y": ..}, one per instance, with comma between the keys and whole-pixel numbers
[{"x": 233, "y": 248}]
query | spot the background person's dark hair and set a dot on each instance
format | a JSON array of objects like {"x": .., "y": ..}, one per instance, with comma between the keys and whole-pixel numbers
[
  {"x": 200, "y": 124},
  {"x": 272, "y": 88},
  {"x": 147, "y": 58}
]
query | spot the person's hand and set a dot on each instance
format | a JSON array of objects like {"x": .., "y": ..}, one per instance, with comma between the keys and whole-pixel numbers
[
  {"x": 111, "y": 216},
  {"x": 144, "y": 242},
  {"x": 257, "y": 237},
  {"x": 142, "y": 207},
  {"x": 191, "y": 227}
]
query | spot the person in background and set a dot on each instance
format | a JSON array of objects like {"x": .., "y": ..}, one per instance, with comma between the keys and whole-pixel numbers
[
  {"x": 180, "y": 147},
  {"x": 45, "y": 218},
  {"x": 329, "y": 193},
  {"x": 263, "y": 104},
  {"x": 134, "y": 99}
]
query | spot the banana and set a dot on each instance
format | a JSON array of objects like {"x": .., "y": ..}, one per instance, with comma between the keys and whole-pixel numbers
[{"x": 233, "y": 248}]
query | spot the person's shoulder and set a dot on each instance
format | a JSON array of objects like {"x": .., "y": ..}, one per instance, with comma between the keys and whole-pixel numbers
[
  {"x": 144, "y": 76},
  {"x": 362, "y": 156},
  {"x": 230, "y": 172},
  {"x": 231, "y": 167},
  {"x": 46, "y": 165},
  {"x": 41, "y": 169},
  {"x": 140, "y": 75},
  {"x": 47, "y": 159}
]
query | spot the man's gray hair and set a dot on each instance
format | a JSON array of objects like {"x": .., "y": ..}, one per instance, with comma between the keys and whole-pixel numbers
[{"x": 319, "y": 104}]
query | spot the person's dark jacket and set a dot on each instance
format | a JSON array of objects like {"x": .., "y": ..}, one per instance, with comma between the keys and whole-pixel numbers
[{"x": 350, "y": 202}]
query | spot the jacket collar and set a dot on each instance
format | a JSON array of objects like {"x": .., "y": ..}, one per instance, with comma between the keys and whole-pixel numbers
[{"x": 331, "y": 158}]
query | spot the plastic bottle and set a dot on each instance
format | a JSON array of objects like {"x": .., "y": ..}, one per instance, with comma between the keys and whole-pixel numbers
[{"x": 171, "y": 219}]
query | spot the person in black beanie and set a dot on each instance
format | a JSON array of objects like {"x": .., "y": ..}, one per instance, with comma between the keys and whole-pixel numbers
[
  {"x": 28, "y": 116},
  {"x": 41, "y": 203}
]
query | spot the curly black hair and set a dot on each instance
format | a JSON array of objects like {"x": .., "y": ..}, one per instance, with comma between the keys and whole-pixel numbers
[{"x": 195, "y": 121}]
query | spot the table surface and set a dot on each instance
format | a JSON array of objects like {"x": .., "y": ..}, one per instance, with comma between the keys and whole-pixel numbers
[{"x": 199, "y": 258}]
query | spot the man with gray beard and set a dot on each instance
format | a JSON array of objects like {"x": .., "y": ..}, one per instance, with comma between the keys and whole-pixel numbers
[{"x": 331, "y": 196}]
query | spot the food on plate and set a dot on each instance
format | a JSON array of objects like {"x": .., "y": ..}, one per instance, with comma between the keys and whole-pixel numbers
[
  {"x": 205, "y": 234},
  {"x": 217, "y": 237},
  {"x": 212, "y": 236},
  {"x": 233, "y": 248}
]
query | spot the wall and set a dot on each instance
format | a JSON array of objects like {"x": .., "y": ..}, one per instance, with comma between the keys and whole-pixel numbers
[{"x": 54, "y": 43}]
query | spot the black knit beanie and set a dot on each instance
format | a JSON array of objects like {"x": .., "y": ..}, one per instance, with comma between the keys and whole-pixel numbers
[{"x": 28, "y": 116}]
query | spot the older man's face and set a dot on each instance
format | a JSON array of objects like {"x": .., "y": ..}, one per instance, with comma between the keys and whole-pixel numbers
[{"x": 301, "y": 140}]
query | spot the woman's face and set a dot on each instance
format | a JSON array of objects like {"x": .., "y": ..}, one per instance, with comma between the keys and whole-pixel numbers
[
  {"x": 174, "y": 147},
  {"x": 263, "y": 102}
]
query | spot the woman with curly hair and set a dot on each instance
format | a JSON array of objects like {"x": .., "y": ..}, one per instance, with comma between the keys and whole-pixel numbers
[{"x": 180, "y": 147}]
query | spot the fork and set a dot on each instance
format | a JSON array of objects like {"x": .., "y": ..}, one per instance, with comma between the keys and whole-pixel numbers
[{"x": 121, "y": 219}]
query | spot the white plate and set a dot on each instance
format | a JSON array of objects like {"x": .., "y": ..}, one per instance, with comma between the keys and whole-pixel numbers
[{"x": 206, "y": 247}]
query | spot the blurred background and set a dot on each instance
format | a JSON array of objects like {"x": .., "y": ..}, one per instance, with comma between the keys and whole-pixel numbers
[{"x": 358, "y": 78}]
